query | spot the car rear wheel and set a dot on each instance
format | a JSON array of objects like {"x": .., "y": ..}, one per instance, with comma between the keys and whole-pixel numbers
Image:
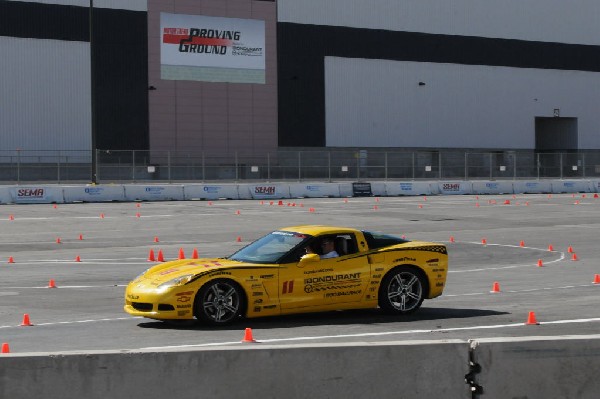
[
  {"x": 402, "y": 291},
  {"x": 219, "y": 302}
]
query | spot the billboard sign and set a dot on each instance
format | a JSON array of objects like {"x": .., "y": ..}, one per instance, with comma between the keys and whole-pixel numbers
[{"x": 212, "y": 49}]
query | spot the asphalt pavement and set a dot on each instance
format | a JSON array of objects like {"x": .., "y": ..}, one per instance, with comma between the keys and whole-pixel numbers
[{"x": 91, "y": 251}]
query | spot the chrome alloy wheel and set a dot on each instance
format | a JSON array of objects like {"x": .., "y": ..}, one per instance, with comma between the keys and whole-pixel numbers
[{"x": 220, "y": 302}]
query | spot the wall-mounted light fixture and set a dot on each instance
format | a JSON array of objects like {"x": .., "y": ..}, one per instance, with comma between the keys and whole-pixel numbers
[{"x": 421, "y": 83}]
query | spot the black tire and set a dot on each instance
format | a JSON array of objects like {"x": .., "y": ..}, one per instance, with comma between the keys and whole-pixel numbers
[
  {"x": 219, "y": 302},
  {"x": 402, "y": 291}
]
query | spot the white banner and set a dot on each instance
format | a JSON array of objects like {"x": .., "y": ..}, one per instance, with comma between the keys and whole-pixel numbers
[
  {"x": 492, "y": 187},
  {"x": 264, "y": 191},
  {"x": 408, "y": 188},
  {"x": 167, "y": 192},
  {"x": 212, "y": 49}
]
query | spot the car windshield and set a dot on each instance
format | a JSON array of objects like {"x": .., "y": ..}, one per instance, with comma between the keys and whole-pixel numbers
[{"x": 270, "y": 248}]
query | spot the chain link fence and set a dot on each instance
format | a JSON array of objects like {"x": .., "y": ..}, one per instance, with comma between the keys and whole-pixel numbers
[{"x": 22, "y": 166}]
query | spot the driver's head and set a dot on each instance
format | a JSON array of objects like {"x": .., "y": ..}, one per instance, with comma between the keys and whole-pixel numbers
[{"x": 327, "y": 245}]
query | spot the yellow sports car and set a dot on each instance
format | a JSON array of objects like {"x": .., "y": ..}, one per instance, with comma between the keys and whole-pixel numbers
[{"x": 294, "y": 270}]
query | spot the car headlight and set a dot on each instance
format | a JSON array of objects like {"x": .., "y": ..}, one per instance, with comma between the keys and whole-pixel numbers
[{"x": 176, "y": 281}]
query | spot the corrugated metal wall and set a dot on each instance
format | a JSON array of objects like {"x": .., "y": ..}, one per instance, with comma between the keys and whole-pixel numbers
[
  {"x": 349, "y": 72},
  {"x": 46, "y": 71},
  {"x": 45, "y": 99},
  {"x": 574, "y": 21}
]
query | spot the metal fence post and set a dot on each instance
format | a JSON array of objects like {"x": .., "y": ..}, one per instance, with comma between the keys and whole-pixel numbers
[
  {"x": 583, "y": 163},
  {"x": 58, "y": 167},
  {"x": 515, "y": 167},
  {"x": 538, "y": 166},
  {"x": 203, "y": 171},
  {"x": 329, "y": 166},
  {"x": 491, "y": 165},
  {"x": 561, "y": 165},
  {"x": 466, "y": 165},
  {"x": 268, "y": 167},
  {"x": 169, "y": 165},
  {"x": 413, "y": 165},
  {"x": 440, "y": 164},
  {"x": 386, "y": 165},
  {"x": 237, "y": 176},
  {"x": 18, "y": 166},
  {"x": 133, "y": 166},
  {"x": 299, "y": 165}
]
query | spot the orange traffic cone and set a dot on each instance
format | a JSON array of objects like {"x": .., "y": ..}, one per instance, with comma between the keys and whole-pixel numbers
[
  {"x": 540, "y": 263},
  {"x": 151, "y": 257},
  {"x": 209, "y": 203},
  {"x": 80, "y": 237},
  {"x": 11, "y": 217},
  {"x": 26, "y": 322},
  {"x": 507, "y": 202},
  {"x": 550, "y": 247},
  {"x": 58, "y": 240},
  {"x": 181, "y": 254},
  {"x": 5, "y": 348},
  {"x": 452, "y": 239},
  {"x": 101, "y": 216},
  {"x": 596, "y": 279},
  {"x": 570, "y": 249},
  {"x": 51, "y": 283},
  {"x": 160, "y": 257},
  {"x": 375, "y": 207},
  {"x": 137, "y": 205},
  {"x": 574, "y": 257},
  {"x": 596, "y": 195},
  {"x": 11, "y": 259},
  {"x": 137, "y": 215},
  {"x": 248, "y": 336},
  {"x": 78, "y": 258},
  {"x": 522, "y": 243},
  {"x": 311, "y": 209},
  {"x": 195, "y": 253},
  {"x": 237, "y": 212},
  {"x": 156, "y": 239},
  {"x": 495, "y": 287},
  {"x": 531, "y": 319},
  {"x": 420, "y": 206},
  {"x": 483, "y": 241},
  {"x": 238, "y": 239}
]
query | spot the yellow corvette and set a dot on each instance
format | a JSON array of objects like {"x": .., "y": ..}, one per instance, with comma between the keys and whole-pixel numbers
[{"x": 287, "y": 271}]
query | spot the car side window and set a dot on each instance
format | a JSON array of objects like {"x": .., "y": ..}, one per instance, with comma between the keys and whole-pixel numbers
[{"x": 345, "y": 244}]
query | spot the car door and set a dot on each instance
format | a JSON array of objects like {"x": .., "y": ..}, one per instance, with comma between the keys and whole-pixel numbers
[{"x": 316, "y": 282}]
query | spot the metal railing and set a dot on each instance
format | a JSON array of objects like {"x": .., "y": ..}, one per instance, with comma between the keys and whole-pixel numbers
[{"x": 22, "y": 166}]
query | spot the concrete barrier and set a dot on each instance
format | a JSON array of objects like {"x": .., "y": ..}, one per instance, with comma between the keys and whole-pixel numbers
[
  {"x": 430, "y": 369},
  {"x": 532, "y": 187},
  {"x": 538, "y": 367},
  {"x": 154, "y": 192},
  {"x": 408, "y": 188},
  {"x": 5, "y": 197},
  {"x": 36, "y": 194},
  {"x": 314, "y": 190},
  {"x": 492, "y": 187},
  {"x": 570, "y": 186},
  {"x": 93, "y": 193},
  {"x": 210, "y": 191}
]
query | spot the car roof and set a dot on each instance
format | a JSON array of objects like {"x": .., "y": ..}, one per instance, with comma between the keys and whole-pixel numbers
[{"x": 317, "y": 230}]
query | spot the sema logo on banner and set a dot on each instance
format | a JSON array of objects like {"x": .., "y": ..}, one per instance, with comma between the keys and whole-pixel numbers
[{"x": 199, "y": 47}]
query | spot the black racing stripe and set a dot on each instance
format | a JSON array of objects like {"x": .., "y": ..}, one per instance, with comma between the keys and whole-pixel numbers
[
  {"x": 44, "y": 21},
  {"x": 301, "y": 72},
  {"x": 224, "y": 269}
]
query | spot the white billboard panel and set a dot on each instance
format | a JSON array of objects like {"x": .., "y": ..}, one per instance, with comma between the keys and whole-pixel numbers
[{"x": 212, "y": 49}]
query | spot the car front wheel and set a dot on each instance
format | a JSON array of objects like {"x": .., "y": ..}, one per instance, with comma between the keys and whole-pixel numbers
[
  {"x": 402, "y": 291},
  {"x": 219, "y": 302}
]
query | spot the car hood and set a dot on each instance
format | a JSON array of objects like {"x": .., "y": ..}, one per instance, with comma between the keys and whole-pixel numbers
[{"x": 198, "y": 267}]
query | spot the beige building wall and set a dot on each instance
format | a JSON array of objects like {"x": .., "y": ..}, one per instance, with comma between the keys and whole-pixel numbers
[{"x": 214, "y": 119}]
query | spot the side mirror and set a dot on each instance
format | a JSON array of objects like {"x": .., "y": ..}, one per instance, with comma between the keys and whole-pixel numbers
[{"x": 308, "y": 258}]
